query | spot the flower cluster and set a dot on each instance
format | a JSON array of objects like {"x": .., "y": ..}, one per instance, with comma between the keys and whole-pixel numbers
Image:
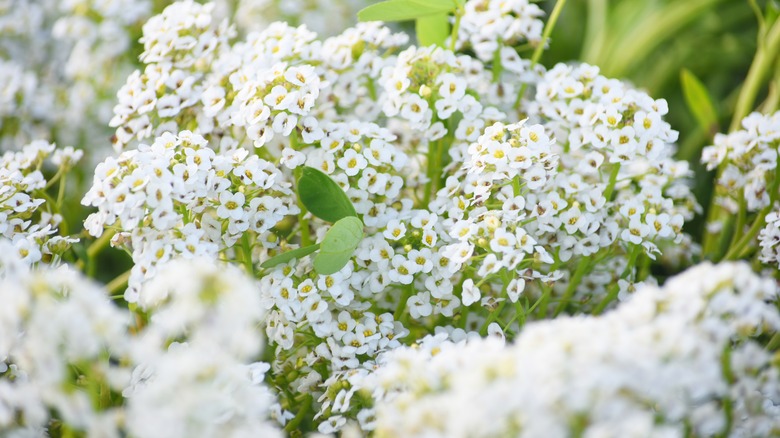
[
  {"x": 410, "y": 229},
  {"x": 617, "y": 185},
  {"x": 485, "y": 208},
  {"x": 60, "y": 64},
  {"x": 468, "y": 219},
  {"x": 55, "y": 328},
  {"x": 750, "y": 158},
  {"x": 179, "y": 198},
  {"x": 61, "y": 337},
  {"x": 653, "y": 367},
  {"x": 427, "y": 85},
  {"x": 27, "y": 219},
  {"x": 491, "y": 26},
  {"x": 199, "y": 348},
  {"x": 748, "y": 182}
]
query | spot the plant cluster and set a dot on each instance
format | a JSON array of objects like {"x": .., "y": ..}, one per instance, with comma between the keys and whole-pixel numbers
[{"x": 356, "y": 234}]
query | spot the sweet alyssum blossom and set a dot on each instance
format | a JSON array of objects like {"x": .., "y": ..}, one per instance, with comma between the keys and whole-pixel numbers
[
  {"x": 175, "y": 197},
  {"x": 652, "y": 367}
]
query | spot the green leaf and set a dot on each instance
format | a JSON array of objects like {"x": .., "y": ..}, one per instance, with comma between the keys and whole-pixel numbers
[
  {"x": 322, "y": 196},
  {"x": 289, "y": 255},
  {"x": 339, "y": 244},
  {"x": 432, "y": 29},
  {"x": 699, "y": 102},
  {"x": 402, "y": 10}
]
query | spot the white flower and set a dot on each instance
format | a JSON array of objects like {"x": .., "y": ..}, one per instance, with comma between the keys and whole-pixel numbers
[
  {"x": 471, "y": 293},
  {"x": 231, "y": 205}
]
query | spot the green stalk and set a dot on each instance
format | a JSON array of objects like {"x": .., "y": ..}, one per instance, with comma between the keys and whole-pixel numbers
[
  {"x": 612, "y": 181},
  {"x": 116, "y": 284},
  {"x": 505, "y": 278},
  {"x": 406, "y": 293},
  {"x": 98, "y": 245},
  {"x": 655, "y": 28},
  {"x": 774, "y": 343},
  {"x": 728, "y": 376},
  {"x": 456, "y": 28},
  {"x": 303, "y": 222},
  {"x": 295, "y": 422},
  {"x": 614, "y": 290},
  {"x": 433, "y": 171},
  {"x": 595, "y": 31},
  {"x": 246, "y": 254},
  {"x": 735, "y": 252},
  {"x": 740, "y": 223},
  {"x": 761, "y": 67},
  {"x": 580, "y": 271}
]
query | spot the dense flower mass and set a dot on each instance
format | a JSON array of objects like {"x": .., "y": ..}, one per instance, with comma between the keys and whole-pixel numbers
[
  {"x": 655, "y": 366},
  {"x": 26, "y": 221},
  {"x": 179, "y": 198},
  {"x": 340, "y": 231},
  {"x": 61, "y": 334},
  {"x": 750, "y": 157}
]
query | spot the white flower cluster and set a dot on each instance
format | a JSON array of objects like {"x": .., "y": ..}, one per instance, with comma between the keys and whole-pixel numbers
[
  {"x": 56, "y": 327},
  {"x": 485, "y": 207},
  {"x": 750, "y": 157},
  {"x": 257, "y": 88},
  {"x": 426, "y": 86},
  {"x": 61, "y": 337},
  {"x": 60, "y": 63},
  {"x": 362, "y": 158},
  {"x": 26, "y": 220},
  {"x": 655, "y": 366},
  {"x": 357, "y": 57},
  {"x": 769, "y": 239},
  {"x": 617, "y": 184},
  {"x": 179, "y": 198},
  {"x": 464, "y": 212},
  {"x": 488, "y": 26},
  {"x": 199, "y": 349}
]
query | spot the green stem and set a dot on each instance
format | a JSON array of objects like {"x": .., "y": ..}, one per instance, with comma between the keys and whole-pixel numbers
[
  {"x": 537, "y": 55},
  {"x": 774, "y": 343},
  {"x": 55, "y": 178},
  {"x": 582, "y": 269},
  {"x": 655, "y": 27},
  {"x": 456, "y": 28},
  {"x": 543, "y": 301},
  {"x": 614, "y": 290},
  {"x": 612, "y": 294},
  {"x": 516, "y": 189},
  {"x": 116, "y": 284},
  {"x": 95, "y": 248},
  {"x": 100, "y": 244},
  {"x": 303, "y": 222},
  {"x": 406, "y": 293},
  {"x": 595, "y": 31},
  {"x": 735, "y": 252},
  {"x": 295, "y": 422},
  {"x": 434, "y": 170},
  {"x": 497, "y": 68},
  {"x": 728, "y": 376},
  {"x": 612, "y": 181},
  {"x": 246, "y": 253},
  {"x": 740, "y": 224},
  {"x": 505, "y": 278},
  {"x": 768, "y": 49}
]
